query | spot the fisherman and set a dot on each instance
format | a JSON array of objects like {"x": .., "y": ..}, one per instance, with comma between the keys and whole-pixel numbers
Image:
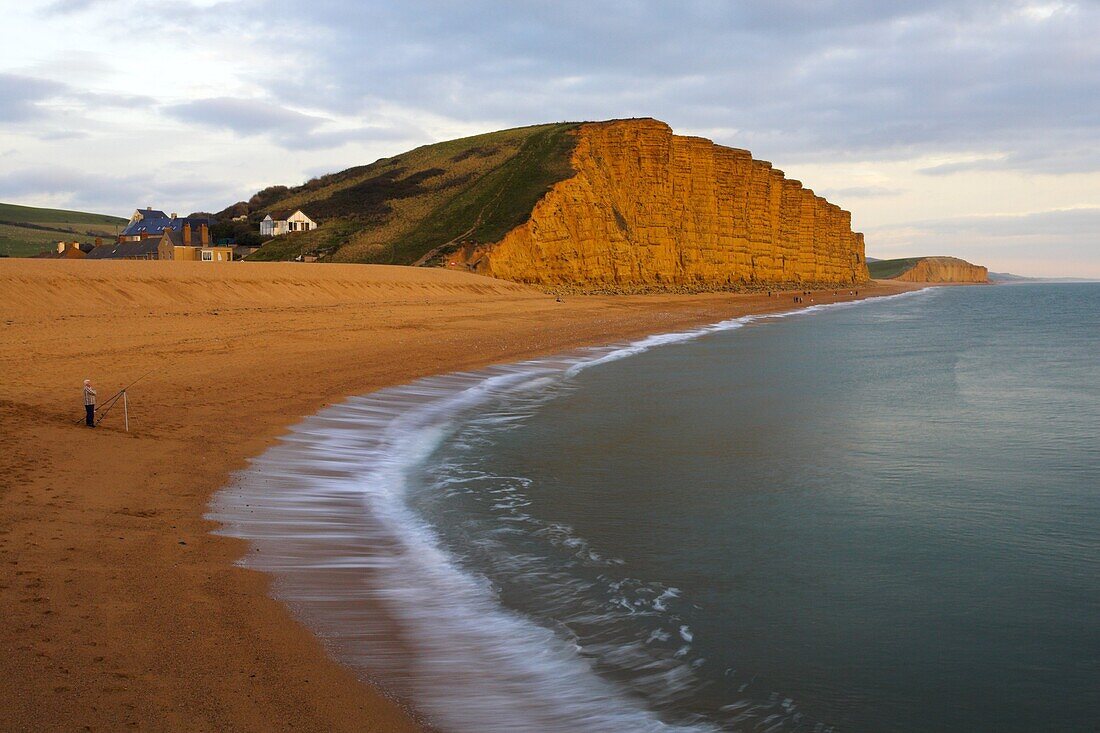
[{"x": 89, "y": 403}]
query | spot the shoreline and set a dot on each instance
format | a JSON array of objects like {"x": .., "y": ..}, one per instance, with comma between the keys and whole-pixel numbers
[
  {"x": 326, "y": 514},
  {"x": 121, "y": 605}
]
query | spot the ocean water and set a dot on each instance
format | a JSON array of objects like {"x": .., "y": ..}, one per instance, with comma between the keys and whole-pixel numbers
[{"x": 880, "y": 516}]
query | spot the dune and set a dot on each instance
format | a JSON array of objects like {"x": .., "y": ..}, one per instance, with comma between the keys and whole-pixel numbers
[{"x": 120, "y": 608}]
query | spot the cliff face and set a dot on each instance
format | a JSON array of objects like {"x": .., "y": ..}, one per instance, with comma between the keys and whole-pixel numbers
[
  {"x": 945, "y": 270},
  {"x": 649, "y": 210}
]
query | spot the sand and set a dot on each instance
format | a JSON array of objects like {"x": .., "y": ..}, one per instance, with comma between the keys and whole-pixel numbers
[{"x": 119, "y": 609}]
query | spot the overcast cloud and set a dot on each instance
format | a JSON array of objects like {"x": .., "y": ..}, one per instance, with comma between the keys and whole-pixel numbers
[
  {"x": 20, "y": 95},
  {"x": 964, "y": 127}
]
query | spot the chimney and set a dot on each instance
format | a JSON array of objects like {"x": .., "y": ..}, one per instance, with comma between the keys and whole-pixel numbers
[
  {"x": 173, "y": 215},
  {"x": 204, "y": 234},
  {"x": 99, "y": 241},
  {"x": 186, "y": 235},
  {"x": 60, "y": 247}
]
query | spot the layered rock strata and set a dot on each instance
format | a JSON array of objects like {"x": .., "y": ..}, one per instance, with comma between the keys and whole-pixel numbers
[
  {"x": 650, "y": 210},
  {"x": 944, "y": 270}
]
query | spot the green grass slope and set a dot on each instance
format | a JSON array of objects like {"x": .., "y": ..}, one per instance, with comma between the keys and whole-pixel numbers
[
  {"x": 885, "y": 269},
  {"x": 416, "y": 206},
  {"x": 27, "y": 230}
]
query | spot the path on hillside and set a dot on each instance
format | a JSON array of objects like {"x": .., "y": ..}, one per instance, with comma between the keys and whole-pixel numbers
[{"x": 494, "y": 202}]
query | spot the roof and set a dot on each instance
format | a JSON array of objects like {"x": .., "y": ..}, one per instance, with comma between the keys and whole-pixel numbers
[
  {"x": 285, "y": 214},
  {"x": 122, "y": 250},
  {"x": 152, "y": 213},
  {"x": 158, "y": 225},
  {"x": 175, "y": 238}
]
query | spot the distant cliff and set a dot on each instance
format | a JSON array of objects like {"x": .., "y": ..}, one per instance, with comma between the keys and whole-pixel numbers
[
  {"x": 929, "y": 270},
  {"x": 620, "y": 206}
]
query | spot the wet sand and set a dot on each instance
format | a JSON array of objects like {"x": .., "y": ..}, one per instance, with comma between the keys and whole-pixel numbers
[{"x": 120, "y": 610}]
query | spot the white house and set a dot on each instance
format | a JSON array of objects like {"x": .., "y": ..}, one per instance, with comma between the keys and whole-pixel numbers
[{"x": 296, "y": 222}]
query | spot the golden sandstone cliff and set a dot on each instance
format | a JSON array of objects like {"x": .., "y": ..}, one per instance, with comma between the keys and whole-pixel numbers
[
  {"x": 650, "y": 210},
  {"x": 944, "y": 270}
]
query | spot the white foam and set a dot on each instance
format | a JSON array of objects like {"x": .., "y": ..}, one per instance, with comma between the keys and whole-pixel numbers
[{"x": 327, "y": 513}]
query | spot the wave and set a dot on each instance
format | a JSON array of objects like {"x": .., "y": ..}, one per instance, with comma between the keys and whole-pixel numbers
[{"x": 329, "y": 512}]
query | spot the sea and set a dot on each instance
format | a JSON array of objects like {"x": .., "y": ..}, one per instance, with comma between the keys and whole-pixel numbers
[{"x": 871, "y": 516}]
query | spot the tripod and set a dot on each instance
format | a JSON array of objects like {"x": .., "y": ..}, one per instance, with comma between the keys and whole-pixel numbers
[{"x": 121, "y": 394}]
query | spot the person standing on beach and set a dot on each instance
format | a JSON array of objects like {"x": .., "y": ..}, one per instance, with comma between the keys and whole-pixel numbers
[{"x": 89, "y": 403}]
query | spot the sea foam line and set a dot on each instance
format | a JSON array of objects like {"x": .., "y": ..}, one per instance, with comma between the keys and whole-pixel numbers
[{"x": 326, "y": 513}]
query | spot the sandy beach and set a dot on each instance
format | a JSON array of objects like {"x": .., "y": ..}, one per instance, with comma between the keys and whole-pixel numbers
[{"x": 120, "y": 609}]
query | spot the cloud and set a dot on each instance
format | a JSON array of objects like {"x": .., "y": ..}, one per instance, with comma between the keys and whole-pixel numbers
[
  {"x": 56, "y": 181},
  {"x": 20, "y": 95},
  {"x": 287, "y": 127},
  {"x": 368, "y": 133},
  {"x": 797, "y": 80},
  {"x": 245, "y": 116},
  {"x": 103, "y": 192},
  {"x": 1080, "y": 222},
  {"x": 67, "y": 7},
  {"x": 108, "y": 99},
  {"x": 964, "y": 166},
  {"x": 21, "y": 98},
  {"x": 802, "y": 80},
  {"x": 55, "y": 135},
  {"x": 861, "y": 192},
  {"x": 1048, "y": 157}
]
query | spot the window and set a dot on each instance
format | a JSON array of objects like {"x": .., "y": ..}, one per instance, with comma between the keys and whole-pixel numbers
[{"x": 207, "y": 256}]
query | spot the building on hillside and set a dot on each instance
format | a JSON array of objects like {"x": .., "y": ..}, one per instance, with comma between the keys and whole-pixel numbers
[
  {"x": 182, "y": 245},
  {"x": 150, "y": 223},
  {"x": 142, "y": 249},
  {"x": 276, "y": 225},
  {"x": 148, "y": 213}
]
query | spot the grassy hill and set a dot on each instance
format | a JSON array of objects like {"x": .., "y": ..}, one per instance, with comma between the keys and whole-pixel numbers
[
  {"x": 885, "y": 269},
  {"x": 27, "y": 230},
  {"x": 414, "y": 206}
]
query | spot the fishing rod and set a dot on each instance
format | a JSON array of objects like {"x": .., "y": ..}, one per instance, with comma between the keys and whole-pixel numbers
[
  {"x": 106, "y": 406},
  {"x": 131, "y": 384},
  {"x": 121, "y": 393}
]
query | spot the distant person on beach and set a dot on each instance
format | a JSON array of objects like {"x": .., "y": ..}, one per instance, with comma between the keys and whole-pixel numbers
[{"x": 89, "y": 403}]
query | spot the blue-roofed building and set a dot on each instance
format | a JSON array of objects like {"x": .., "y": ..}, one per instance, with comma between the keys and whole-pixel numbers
[
  {"x": 149, "y": 222},
  {"x": 148, "y": 212}
]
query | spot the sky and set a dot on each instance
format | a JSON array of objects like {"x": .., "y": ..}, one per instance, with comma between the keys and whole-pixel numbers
[{"x": 945, "y": 127}]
